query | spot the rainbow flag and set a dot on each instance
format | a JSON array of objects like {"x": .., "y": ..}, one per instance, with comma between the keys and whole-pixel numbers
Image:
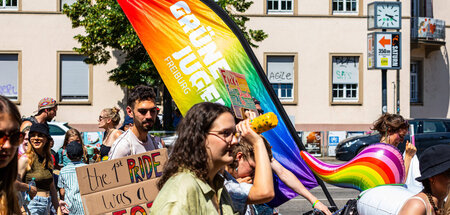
[{"x": 188, "y": 41}]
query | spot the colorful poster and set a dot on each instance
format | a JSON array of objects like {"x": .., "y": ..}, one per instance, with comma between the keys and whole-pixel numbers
[
  {"x": 188, "y": 41},
  {"x": 239, "y": 92},
  {"x": 312, "y": 142}
]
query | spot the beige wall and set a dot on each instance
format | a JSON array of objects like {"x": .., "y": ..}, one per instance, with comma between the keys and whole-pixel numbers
[
  {"x": 39, "y": 33},
  {"x": 436, "y": 73},
  {"x": 314, "y": 34}
]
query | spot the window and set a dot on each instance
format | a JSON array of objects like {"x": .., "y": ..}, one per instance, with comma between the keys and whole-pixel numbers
[
  {"x": 280, "y": 6},
  {"x": 9, "y": 73},
  {"x": 345, "y": 6},
  {"x": 74, "y": 79},
  {"x": 280, "y": 72},
  {"x": 68, "y": 2},
  {"x": 415, "y": 95},
  {"x": 345, "y": 79},
  {"x": 433, "y": 126},
  {"x": 8, "y": 4}
]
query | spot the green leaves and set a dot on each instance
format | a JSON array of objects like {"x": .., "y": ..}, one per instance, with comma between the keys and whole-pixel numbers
[{"x": 108, "y": 32}]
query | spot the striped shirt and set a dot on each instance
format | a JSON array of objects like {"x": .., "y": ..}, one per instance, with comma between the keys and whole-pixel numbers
[{"x": 68, "y": 181}]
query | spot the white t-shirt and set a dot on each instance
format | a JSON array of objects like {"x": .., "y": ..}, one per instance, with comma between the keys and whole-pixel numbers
[{"x": 128, "y": 144}]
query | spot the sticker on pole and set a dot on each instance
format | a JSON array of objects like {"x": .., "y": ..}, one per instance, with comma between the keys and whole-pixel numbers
[{"x": 385, "y": 48}]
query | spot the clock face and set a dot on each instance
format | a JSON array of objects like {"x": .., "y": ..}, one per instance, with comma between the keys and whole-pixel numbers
[{"x": 388, "y": 15}]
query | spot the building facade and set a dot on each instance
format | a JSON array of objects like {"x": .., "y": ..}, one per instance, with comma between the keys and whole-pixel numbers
[
  {"x": 37, "y": 60},
  {"x": 316, "y": 59}
]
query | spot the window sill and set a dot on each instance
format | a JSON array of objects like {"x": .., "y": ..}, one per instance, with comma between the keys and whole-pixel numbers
[
  {"x": 75, "y": 102},
  {"x": 346, "y": 103},
  {"x": 416, "y": 103},
  {"x": 345, "y": 13},
  {"x": 288, "y": 102},
  {"x": 280, "y": 12}
]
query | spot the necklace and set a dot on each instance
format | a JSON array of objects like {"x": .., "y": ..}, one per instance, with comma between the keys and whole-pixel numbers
[{"x": 436, "y": 209}]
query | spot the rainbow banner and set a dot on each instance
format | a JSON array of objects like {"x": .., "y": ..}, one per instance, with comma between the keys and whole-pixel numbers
[{"x": 189, "y": 41}]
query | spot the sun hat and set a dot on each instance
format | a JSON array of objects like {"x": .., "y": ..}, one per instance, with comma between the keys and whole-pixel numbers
[
  {"x": 46, "y": 103},
  {"x": 434, "y": 161},
  {"x": 40, "y": 128}
]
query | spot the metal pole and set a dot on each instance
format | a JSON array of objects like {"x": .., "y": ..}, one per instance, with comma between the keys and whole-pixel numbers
[
  {"x": 383, "y": 91},
  {"x": 398, "y": 92}
]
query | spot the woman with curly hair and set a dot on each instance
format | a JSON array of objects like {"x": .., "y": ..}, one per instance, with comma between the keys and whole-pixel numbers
[
  {"x": 37, "y": 164},
  {"x": 393, "y": 128},
  {"x": 108, "y": 119},
  {"x": 191, "y": 182},
  {"x": 10, "y": 138}
]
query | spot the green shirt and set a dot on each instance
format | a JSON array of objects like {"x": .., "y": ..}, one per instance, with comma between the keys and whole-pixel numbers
[{"x": 184, "y": 193}]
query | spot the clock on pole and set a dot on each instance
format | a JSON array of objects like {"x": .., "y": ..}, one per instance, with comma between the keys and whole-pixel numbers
[{"x": 384, "y": 15}]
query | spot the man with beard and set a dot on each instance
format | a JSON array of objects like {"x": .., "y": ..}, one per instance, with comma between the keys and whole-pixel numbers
[
  {"x": 46, "y": 111},
  {"x": 142, "y": 108}
]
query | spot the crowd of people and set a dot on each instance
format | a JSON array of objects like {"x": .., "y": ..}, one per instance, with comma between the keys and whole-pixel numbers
[{"x": 218, "y": 164}]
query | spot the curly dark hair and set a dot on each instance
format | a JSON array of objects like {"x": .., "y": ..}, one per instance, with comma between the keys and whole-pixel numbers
[
  {"x": 189, "y": 151},
  {"x": 141, "y": 93},
  {"x": 389, "y": 123}
]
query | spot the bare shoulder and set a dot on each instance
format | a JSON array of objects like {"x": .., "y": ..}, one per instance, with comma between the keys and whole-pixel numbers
[{"x": 413, "y": 206}]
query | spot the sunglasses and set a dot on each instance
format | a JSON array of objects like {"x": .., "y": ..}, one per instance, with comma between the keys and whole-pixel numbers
[{"x": 15, "y": 138}]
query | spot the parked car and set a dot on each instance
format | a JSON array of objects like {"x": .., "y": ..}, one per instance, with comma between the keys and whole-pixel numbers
[
  {"x": 428, "y": 132},
  {"x": 58, "y": 132}
]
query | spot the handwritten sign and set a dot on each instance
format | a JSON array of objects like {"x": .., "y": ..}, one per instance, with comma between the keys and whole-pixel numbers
[
  {"x": 121, "y": 183},
  {"x": 239, "y": 92}
]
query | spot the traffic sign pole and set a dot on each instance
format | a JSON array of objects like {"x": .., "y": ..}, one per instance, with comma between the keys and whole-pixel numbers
[{"x": 383, "y": 91}]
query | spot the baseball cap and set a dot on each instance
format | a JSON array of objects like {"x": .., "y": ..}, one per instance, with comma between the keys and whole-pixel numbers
[
  {"x": 434, "y": 161},
  {"x": 45, "y": 103},
  {"x": 74, "y": 150}
]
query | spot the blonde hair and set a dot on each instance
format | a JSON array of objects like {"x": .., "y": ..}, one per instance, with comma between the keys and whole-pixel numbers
[
  {"x": 113, "y": 114},
  {"x": 31, "y": 154}
]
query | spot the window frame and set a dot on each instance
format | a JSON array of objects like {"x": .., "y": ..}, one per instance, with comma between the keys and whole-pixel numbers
[
  {"x": 419, "y": 101},
  {"x": 360, "y": 96},
  {"x": 294, "y": 10},
  {"x": 17, "y": 8},
  {"x": 58, "y": 87},
  {"x": 294, "y": 100},
  {"x": 359, "y": 8},
  {"x": 19, "y": 73},
  {"x": 59, "y": 5}
]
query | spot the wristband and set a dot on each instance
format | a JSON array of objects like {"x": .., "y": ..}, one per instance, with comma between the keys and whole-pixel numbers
[
  {"x": 315, "y": 203},
  {"x": 29, "y": 188}
]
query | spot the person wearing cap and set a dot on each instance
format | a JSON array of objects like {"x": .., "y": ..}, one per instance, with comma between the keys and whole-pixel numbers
[
  {"x": 143, "y": 109},
  {"x": 46, "y": 111},
  {"x": 434, "y": 164},
  {"x": 68, "y": 182},
  {"x": 37, "y": 164}
]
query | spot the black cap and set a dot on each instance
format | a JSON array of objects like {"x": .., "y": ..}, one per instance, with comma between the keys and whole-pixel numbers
[
  {"x": 434, "y": 161},
  {"x": 74, "y": 150},
  {"x": 40, "y": 128}
]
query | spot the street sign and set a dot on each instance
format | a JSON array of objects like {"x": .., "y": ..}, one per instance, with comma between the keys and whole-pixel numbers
[{"x": 384, "y": 50}]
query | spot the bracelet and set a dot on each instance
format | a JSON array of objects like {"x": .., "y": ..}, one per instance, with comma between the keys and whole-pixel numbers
[
  {"x": 315, "y": 203},
  {"x": 29, "y": 188}
]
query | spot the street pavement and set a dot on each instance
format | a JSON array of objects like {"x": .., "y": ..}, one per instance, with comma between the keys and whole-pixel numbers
[{"x": 299, "y": 205}]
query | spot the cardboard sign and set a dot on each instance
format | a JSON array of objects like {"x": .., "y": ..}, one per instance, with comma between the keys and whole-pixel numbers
[
  {"x": 239, "y": 92},
  {"x": 120, "y": 183}
]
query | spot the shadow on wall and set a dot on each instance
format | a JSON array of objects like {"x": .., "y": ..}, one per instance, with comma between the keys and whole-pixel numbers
[{"x": 436, "y": 87}]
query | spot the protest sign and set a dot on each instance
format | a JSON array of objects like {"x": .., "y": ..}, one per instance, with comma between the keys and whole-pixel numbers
[
  {"x": 239, "y": 92},
  {"x": 120, "y": 183}
]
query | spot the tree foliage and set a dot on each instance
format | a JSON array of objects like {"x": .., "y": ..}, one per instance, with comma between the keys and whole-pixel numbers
[{"x": 108, "y": 32}]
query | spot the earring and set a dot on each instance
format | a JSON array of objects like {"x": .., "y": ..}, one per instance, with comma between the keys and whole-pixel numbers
[{"x": 236, "y": 169}]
